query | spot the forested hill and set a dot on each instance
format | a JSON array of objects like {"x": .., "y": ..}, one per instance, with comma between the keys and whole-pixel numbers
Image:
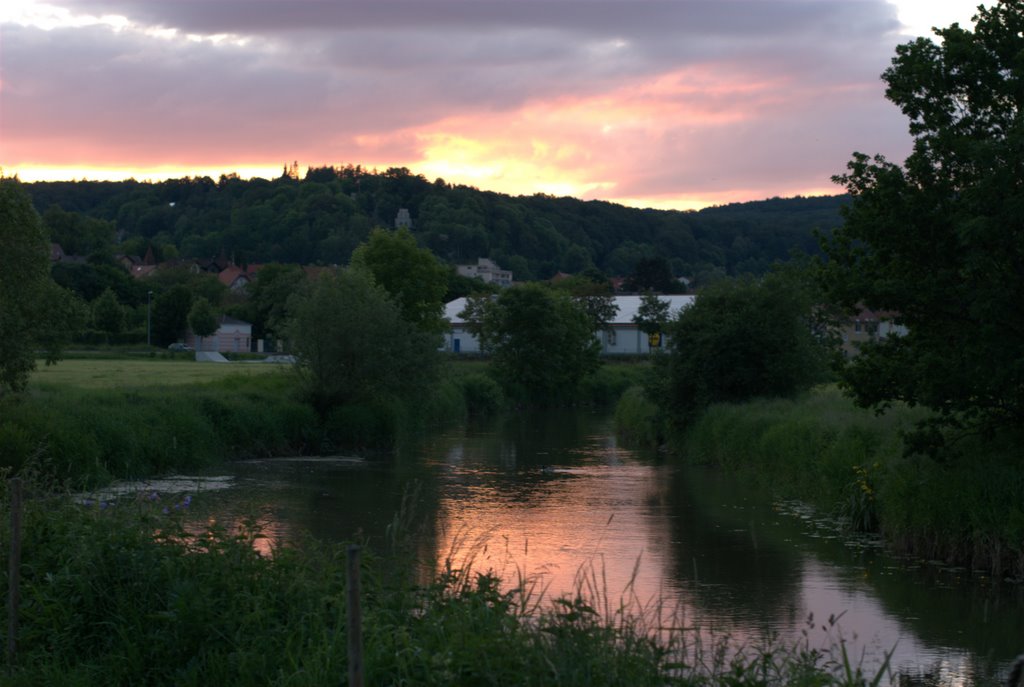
[{"x": 322, "y": 217}]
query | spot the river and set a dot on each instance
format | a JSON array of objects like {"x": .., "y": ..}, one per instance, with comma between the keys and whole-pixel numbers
[{"x": 553, "y": 497}]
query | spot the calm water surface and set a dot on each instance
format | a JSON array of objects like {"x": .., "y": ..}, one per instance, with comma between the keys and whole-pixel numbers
[{"x": 554, "y": 496}]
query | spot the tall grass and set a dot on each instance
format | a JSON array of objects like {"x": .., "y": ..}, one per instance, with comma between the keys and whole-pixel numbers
[
  {"x": 637, "y": 418},
  {"x": 89, "y": 431},
  {"x": 610, "y": 381},
  {"x": 963, "y": 507},
  {"x": 92, "y": 435},
  {"x": 127, "y": 594}
]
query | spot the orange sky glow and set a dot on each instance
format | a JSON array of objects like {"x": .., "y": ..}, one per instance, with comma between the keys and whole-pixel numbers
[{"x": 670, "y": 106}]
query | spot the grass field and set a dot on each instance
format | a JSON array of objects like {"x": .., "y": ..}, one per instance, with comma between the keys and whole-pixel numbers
[{"x": 141, "y": 373}]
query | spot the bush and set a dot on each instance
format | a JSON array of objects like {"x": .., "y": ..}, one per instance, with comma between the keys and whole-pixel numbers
[
  {"x": 482, "y": 394},
  {"x": 637, "y": 419},
  {"x": 608, "y": 383}
]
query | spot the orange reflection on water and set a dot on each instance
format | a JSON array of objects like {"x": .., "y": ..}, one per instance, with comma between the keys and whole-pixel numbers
[{"x": 579, "y": 526}]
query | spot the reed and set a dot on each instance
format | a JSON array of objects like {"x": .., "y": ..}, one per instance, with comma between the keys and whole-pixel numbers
[{"x": 962, "y": 506}]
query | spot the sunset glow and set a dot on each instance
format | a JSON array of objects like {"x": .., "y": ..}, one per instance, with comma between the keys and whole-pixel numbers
[{"x": 666, "y": 105}]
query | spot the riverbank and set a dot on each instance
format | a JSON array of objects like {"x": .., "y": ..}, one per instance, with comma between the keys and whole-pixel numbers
[
  {"x": 962, "y": 507},
  {"x": 86, "y": 422},
  {"x": 131, "y": 593}
]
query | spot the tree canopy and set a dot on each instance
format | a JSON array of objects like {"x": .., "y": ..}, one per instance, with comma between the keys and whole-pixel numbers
[
  {"x": 353, "y": 344},
  {"x": 652, "y": 315},
  {"x": 741, "y": 339},
  {"x": 35, "y": 313},
  {"x": 939, "y": 241},
  {"x": 542, "y": 342},
  {"x": 416, "y": 280},
  {"x": 322, "y": 218},
  {"x": 108, "y": 313},
  {"x": 202, "y": 319},
  {"x": 170, "y": 314}
]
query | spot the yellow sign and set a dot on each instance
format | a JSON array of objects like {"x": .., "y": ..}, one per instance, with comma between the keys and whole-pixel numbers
[{"x": 654, "y": 340}]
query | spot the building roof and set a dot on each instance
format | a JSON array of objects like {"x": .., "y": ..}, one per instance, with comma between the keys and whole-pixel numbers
[
  {"x": 628, "y": 307},
  {"x": 229, "y": 275}
]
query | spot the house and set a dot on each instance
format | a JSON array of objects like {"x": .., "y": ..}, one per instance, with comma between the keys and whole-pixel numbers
[
  {"x": 233, "y": 336},
  {"x": 868, "y": 325},
  {"x": 236, "y": 278},
  {"x": 486, "y": 270},
  {"x": 622, "y": 337}
]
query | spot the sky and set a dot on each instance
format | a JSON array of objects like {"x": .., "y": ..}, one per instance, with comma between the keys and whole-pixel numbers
[{"x": 674, "y": 104}]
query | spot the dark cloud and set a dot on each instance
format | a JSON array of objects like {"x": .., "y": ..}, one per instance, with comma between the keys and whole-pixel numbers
[
  {"x": 330, "y": 80},
  {"x": 631, "y": 17}
]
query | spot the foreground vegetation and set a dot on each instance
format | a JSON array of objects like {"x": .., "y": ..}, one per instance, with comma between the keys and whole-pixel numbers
[
  {"x": 961, "y": 506},
  {"x": 133, "y": 594}
]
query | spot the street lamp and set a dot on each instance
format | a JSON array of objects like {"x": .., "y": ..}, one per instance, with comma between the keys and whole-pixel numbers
[{"x": 149, "y": 319}]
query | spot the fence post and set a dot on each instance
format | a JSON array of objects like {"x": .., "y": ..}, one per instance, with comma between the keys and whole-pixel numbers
[
  {"x": 14, "y": 573},
  {"x": 355, "y": 621}
]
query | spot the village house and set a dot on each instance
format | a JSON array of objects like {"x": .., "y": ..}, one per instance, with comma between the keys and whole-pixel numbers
[
  {"x": 868, "y": 325},
  {"x": 486, "y": 270},
  {"x": 232, "y": 336},
  {"x": 622, "y": 336}
]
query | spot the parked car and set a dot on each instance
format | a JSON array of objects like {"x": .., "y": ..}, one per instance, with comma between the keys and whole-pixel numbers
[{"x": 178, "y": 346}]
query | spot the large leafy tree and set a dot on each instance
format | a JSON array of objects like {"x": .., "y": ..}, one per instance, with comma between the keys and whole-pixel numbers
[
  {"x": 593, "y": 293},
  {"x": 542, "y": 342},
  {"x": 170, "y": 314},
  {"x": 202, "y": 319},
  {"x": 652, "y": 315},
  {"x": 352, "y": 343},
  {"x": 940, "y": 239},
  {"x": 108, "y": 313},
  {"x": 36, "y": 315},
  {"x": 268, "y": 298},
  {"x": 741, "y": 339},
  {"x": 412, "y": 275}
]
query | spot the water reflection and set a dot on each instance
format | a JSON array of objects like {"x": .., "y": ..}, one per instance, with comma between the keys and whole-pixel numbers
[{"x": 546, "y": 496}]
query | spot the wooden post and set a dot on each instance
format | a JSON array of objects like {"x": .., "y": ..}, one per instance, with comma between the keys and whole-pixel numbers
[
  {"x": 355, "y": 621},
  {"x": 14, "y": 573}
]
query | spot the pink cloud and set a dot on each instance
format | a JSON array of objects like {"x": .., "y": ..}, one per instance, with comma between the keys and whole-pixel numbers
[{"x": 618, "y": 100}]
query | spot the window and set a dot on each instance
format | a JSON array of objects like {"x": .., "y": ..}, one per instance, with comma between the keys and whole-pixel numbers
[{"x": 610, "y": 335}]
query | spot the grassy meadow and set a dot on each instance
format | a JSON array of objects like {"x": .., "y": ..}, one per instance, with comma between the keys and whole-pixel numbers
[{"x": 114, "y": 373}]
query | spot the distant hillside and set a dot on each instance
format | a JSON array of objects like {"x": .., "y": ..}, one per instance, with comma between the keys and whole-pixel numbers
[{"x": 324, "y": 216}]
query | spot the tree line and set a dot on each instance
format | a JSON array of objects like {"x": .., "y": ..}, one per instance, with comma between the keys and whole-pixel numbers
[{"x": 322, "y": 218}]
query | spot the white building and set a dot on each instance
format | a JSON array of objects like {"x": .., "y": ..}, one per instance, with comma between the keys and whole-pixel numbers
[
  {"x": 403, "y": 220},
  {"x": 486, "y": 270},
  {"x": 232, "y": 336},
  {"x": 623, "y": 336}
]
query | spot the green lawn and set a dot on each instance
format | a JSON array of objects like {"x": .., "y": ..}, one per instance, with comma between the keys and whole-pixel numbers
[{"x": 107, "y": 374}]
